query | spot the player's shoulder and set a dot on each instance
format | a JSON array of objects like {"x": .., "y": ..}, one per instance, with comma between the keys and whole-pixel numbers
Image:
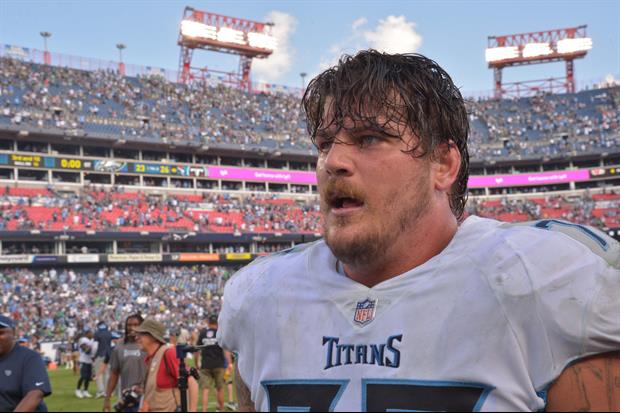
[
  {"x": 547, "y": 240},
  {"x": 24, "y": 354},
  {"x": 538, "y": 256},
  {"x": 258, "y": 277}
]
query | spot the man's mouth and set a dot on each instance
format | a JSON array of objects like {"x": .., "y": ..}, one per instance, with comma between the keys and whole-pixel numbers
[{"x": 341, "y": 204}]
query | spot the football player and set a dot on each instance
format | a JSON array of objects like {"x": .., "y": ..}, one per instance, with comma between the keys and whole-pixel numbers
[{"x": 405, "y": 305}]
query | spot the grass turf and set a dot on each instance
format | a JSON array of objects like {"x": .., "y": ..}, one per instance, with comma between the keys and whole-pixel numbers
[{"x": 63, "y": 395}]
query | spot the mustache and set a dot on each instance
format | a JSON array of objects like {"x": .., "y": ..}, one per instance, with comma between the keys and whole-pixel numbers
[{"x": 340, "y": 189}]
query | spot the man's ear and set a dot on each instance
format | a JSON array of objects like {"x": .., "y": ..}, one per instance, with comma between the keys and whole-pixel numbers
[{"x": 447, "y": 159}]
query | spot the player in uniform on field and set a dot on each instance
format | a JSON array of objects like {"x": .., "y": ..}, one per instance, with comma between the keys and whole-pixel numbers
[{"x": 405, "y": 305}]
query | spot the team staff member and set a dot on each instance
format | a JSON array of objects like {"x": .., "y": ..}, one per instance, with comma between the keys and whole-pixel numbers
[
  {"x": 160, "y": 385},
  {"x": 212, "y": 361},
  {"x": 103, "y": 337},
  {"x": 23, "y": 378},
  {"x": 127, "y": 362}
]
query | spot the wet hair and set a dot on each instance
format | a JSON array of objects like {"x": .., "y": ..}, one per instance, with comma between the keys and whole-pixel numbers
[
  {"x": 407, "y": 90},
  {"x": 138, "y": 317}
]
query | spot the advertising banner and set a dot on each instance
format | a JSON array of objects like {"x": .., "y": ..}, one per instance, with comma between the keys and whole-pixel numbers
[
  {"x": 135, "y": 257},
  {"x": 82, "y": 258},
  {"x": 604, "y": 172},
  {"x": 262, "y": 175},
  {"x": 275, "y": 175},
  {"x": 199, "y": 257},
  {"x": 16, "y": 259},
  {"x": 46, "y": 259},
  {"x": 239, "y": 257},
  {"x": 541, "y": 178}
]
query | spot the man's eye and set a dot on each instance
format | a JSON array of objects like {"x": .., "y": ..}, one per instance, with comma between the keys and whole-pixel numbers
[
  {"x": 367, "y": 140},
  {"x": 324, "y": 145}
]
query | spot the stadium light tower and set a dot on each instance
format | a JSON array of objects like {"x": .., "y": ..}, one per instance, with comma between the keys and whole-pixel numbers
[
  {"x": 47, "y": 58},
  {"x": 303, "y": 79},
  {"x": 121, "y": 65},
  {"x": 209, "y": 31},
  {"x": 535, "y": 48}
]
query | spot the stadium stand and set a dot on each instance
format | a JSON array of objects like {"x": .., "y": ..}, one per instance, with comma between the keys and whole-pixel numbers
[
  {"x": 151, "y": 108},
  {"x": 56, "y": 303},
  {"x": 61, "y": 213},
  {"x": 48, "y": 210}
]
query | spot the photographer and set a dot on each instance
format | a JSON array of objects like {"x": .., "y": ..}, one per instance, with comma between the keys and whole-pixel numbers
[
  {"x": 160, "y": 385},
  {"x": 127, "y": 365},
  {"x": 23, "y": 378}
]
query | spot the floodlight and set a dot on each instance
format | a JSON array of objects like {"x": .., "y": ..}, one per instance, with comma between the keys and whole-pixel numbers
[
  {"x": 536, "y": 49},
  {"x": 495, "y": 54},
  {"x": 262, "y": 41},
  {"x": 228, "y": 35},
  {"x": 198, "y": 30},
  {"x": 581, "y": 44}
]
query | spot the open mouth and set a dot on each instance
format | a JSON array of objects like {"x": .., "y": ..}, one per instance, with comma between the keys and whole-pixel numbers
[{"x": 342, "y": 204}]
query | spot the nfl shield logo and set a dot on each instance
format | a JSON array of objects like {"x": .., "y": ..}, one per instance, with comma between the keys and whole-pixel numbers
[{"x": 365, "y": 312}]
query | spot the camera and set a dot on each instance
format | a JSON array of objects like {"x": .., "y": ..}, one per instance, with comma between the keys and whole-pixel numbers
[{"x": 129, "y": 401}]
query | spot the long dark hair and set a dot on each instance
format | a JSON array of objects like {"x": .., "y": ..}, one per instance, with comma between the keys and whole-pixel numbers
[{"x": 408, "y": 90}]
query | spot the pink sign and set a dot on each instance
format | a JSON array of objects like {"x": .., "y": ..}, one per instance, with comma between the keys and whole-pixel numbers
[
  {"x": 541, "y": 178},
  {"x": 309, "y": 178},
  {"x": 262, "y": 175}
]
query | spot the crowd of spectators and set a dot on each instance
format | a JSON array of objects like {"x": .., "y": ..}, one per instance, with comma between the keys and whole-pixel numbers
[
  {"x": 152, "y": 107},
  {"x": 115, "y": 210},
  {"x": 600, "y": 210},
  {"x": 546, "y": 125},
  {"x": 59, "y": 303},
  {"x": 145, "y": 107}
]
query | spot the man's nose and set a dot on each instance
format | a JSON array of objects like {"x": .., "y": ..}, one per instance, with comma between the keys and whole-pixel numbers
[{"x": 339, "y": 161}]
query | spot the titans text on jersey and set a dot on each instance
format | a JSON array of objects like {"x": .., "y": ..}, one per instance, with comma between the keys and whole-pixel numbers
[
  {"x": 485, "y": 325},
  {"x": 346, "y": 354}
]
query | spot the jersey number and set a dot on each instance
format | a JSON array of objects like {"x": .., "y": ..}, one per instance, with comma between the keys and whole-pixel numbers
[{"x": 377, "y": 395}]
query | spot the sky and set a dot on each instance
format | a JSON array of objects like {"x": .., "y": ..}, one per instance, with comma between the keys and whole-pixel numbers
[{"x": 313, "y": 34}]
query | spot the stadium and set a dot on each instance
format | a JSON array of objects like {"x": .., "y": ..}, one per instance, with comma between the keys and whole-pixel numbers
[{"x": 129, "y": 189}]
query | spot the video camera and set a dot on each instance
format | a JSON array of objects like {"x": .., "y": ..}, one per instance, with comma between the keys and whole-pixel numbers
[
  {"x": 129, "y": 401},
  {"x": 182, "y": 351}
]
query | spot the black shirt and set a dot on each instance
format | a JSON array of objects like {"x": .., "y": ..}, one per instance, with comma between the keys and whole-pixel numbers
[
  {"x": 212, "y": 355},
  {"x": 21, "y": 371}
]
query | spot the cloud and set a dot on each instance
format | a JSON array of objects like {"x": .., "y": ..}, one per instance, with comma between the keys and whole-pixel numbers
[
  {"x": 359, "y": 23},
  {"x": 394, "y": 34},
  {"x": 280, "y": 62}
]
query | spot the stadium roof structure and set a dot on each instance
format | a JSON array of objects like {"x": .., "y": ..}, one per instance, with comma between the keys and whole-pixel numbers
[
  {"x": 201, "y": 30},
  {"x": 535, "y": 48}
]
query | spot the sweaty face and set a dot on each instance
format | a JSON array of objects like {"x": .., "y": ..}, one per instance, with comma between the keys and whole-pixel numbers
[{"x": 371, "y": 192}]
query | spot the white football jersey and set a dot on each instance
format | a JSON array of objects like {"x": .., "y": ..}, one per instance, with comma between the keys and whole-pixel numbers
[{"x": 488, "y": 324}]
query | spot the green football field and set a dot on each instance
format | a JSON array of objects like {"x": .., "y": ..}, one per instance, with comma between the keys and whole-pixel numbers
[{"x": 63, "y": 395}]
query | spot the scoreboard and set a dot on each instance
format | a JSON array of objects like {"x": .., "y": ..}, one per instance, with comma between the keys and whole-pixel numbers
[{"x": 102, "y": 165}]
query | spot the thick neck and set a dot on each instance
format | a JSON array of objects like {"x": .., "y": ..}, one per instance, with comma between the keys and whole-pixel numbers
[{"x": 431, "y": 236}]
